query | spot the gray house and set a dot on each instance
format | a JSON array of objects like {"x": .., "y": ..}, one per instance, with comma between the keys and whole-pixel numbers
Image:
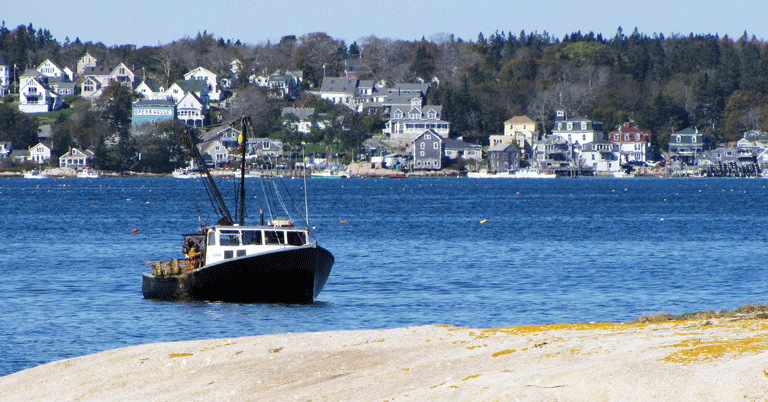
[
  {"x": 687, "y": 144},
  {"x": 503, "y": 158},
  {"x": 428, "y": 151}
]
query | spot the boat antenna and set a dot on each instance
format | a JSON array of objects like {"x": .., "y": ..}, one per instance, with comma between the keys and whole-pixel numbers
[{"x": 217, "y": 200}]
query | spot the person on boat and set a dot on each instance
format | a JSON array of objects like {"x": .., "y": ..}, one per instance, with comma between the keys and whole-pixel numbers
[{"x": 194, "y": 252}]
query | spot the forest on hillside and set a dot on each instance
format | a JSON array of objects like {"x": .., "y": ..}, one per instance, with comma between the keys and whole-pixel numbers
[{"x": 663, "y": 83}]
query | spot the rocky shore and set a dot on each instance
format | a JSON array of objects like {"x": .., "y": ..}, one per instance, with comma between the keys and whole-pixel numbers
[{"x": 701, "y": 360}]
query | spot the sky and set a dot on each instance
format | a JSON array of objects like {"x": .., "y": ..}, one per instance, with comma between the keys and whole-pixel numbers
[{"x": 158, "y": 22}]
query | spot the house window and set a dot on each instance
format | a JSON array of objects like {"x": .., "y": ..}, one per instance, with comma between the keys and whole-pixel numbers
[
  {"x": 570, "y": 126},
  {"x": 677, "y": 138},
  {"x": 559, "y": 126},
  {"x": 427, "y": 137},
  {"x": 434, "y": 145},
  {"x": 693, "y": 139},
  {"x": 583, "y": 126},
  {"x": 421, "y": 153},
  {"x": 421, "y": 146},
  {"x": 626, "y": 137}
]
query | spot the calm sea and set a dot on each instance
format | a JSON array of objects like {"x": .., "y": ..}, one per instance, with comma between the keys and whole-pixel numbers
[{"x": 411, "y": 252}]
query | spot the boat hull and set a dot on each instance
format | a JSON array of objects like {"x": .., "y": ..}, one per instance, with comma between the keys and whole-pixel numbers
[{"x": 291, "y": 275}]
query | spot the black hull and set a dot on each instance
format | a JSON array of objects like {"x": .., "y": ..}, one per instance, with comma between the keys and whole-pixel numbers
[{"x": 293, "y": 275}]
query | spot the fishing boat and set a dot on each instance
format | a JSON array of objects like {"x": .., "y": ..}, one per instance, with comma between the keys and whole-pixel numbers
[
  {"x": 484, "y": 174},
  {"x": 272, "y": 262},
  {"x": 329, "y": 174},
  {"x": 519, "y": 174},
  {"x": 531, "y": 173},
  {"x": 36, "y": 174},
  {"x": 89, "y": 174}
]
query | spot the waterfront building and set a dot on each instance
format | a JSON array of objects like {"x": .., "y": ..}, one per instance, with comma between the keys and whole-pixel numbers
[
  {"x": 503, "y": 157},
  {"x": 686, "y": 145},
  {"x": 152, "y": 111},
  {"x": 634, "y": 143},
  {"x": 428, "y": 150}
]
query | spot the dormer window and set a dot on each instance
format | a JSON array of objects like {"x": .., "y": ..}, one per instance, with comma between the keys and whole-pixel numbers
[
  {"x": 678, "y": 138},
  {"x": 626, "y": 137},
  {"x": 570, "y": 126},
  {"x": 584, "y": 126},
  {"x": 427, "y": 137},
  {"x": 693, "y": 138}
]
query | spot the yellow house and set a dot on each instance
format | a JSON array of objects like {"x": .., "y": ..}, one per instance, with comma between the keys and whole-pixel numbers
[{"x": 520, "y": 130}]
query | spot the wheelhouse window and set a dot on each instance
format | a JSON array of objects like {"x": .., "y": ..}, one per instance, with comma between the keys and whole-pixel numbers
[
  {"x": 274, "y": 237},
  {"x": 252, "y": 237},
  {"x": 229, "y": 238},
  {"x": 296, "y": 238}
]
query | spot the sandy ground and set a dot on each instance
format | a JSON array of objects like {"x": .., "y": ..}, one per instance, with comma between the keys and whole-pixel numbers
[{"x": 716, "y": 360}]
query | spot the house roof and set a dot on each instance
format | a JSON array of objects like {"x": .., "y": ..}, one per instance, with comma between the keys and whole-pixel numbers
[
  {"x": 520, "y": 120},
  {"x": 192, "y": 85},
  {"x": 450, "y": 143},
  {"x": 302, "y": 113},
  {"x": 409, "y": 88},
  {"x": 154, "y": 102},
  {"x": 503, "y": 147},
  {"x": 339, "y": 84},
  {"x": 98, "y": 70}
]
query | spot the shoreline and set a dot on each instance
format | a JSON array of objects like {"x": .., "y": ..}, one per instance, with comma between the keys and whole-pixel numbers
[{"x": 704, "y": 359}]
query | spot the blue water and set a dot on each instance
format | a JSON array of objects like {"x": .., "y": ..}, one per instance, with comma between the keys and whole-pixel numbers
[{"x": 412, "y": 252}]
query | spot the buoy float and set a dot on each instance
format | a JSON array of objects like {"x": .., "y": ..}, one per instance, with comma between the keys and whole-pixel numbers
[
  {"x": 343, "y": 222},
  {"x": 134, "y": 230},
  {"x": 484, "y": 220}
]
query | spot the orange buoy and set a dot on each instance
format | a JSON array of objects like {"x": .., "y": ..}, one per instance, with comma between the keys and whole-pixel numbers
[
  {"x": 134, "y": 230},
  {"x": 343, "y": 222}
]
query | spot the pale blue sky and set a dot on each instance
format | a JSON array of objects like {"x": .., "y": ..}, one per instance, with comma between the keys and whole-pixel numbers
[{"x": 142, "y": 23}]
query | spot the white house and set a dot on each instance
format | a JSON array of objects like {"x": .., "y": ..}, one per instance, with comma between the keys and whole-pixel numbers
[
  {"x": 151, "y": 91},
  {"x": 191, "y": 110},
  {"x": 40, "y": 153},
  {"x": 36, "y": 97},
  {"x": 578, "y": 130},
  {"x": 76, "y": 159},
  {"x": 214, "y": 151},
  {"x": 407, "y": 123},
  {"x": 51, "y": 70},
  {"x": 5, "y": 75},
  {"x": 85, "y": 62},
  {"x": 634, "y": 144},
  {"x": 6, "y": 147},
  {"x": 97, "y": 78},
  {"x": 208, "y": 77},
  {"x": 602, "y": 156},
  {"x": 339, "y": 90}
]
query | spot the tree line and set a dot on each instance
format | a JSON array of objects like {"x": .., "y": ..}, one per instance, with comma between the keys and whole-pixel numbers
[{"x": 663, "y": 83}]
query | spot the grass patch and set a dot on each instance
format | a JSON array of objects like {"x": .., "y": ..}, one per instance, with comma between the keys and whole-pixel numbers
[{"x": 746, "y": 310}]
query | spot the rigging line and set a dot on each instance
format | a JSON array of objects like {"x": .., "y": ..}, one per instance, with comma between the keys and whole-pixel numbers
[
  {"x": 303, "y": 219},
  {"x": 267, "y": 198},
  {"x": 282, "y": 201}
]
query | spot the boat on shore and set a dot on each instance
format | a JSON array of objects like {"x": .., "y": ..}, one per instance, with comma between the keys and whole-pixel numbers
[{"x": 276, "y": 262}]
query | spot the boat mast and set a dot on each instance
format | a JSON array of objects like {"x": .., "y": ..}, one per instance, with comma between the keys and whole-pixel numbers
[
  {"x": 242, "y": 141},
  {"x": 217, "y": 201}
]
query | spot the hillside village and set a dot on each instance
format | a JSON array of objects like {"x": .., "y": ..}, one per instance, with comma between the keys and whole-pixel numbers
[{"x": 414, "y": 135}]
